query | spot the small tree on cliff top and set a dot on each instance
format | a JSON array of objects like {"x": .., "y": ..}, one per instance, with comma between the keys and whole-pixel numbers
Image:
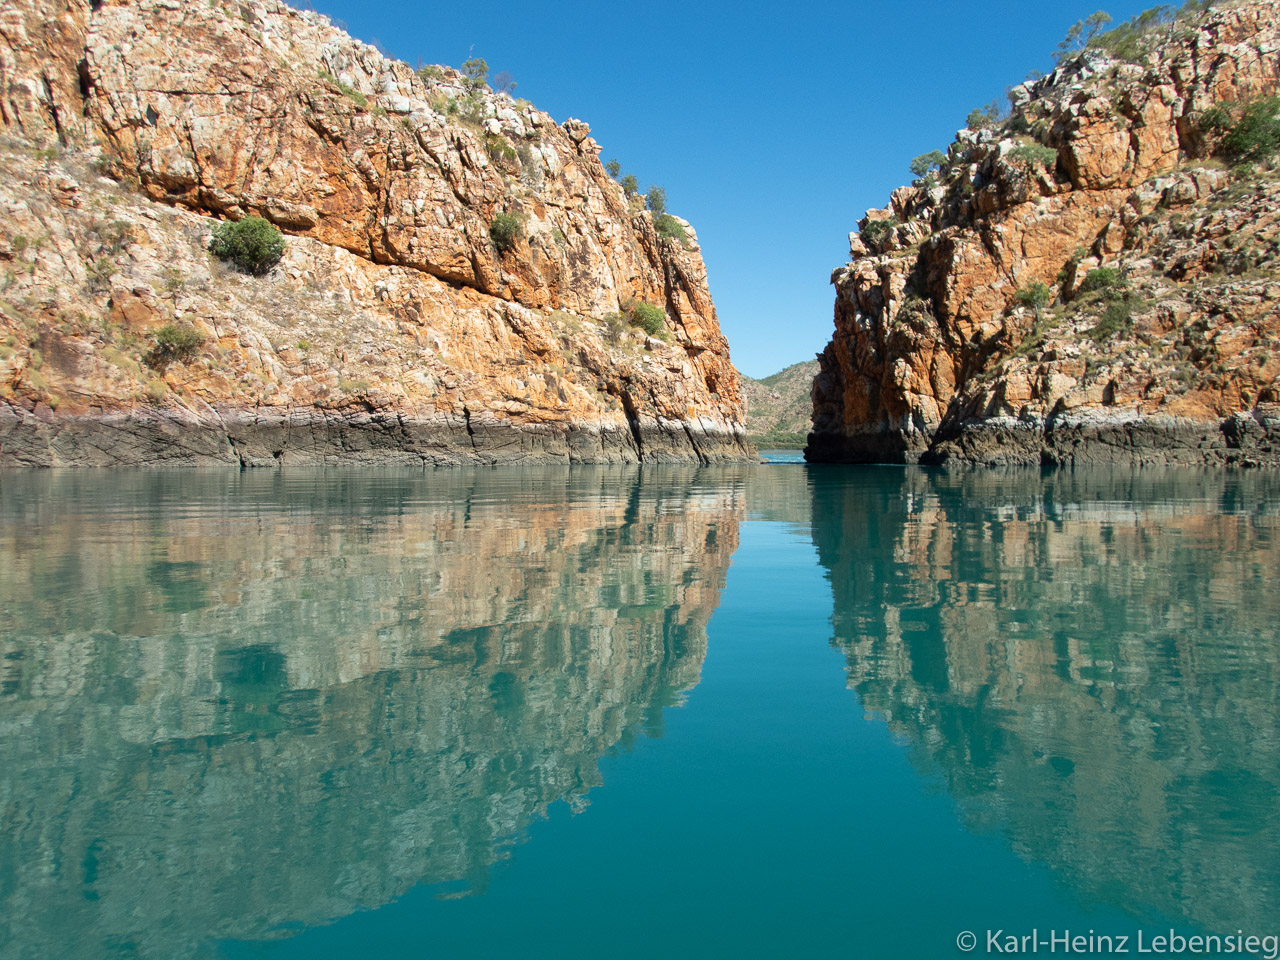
[
  {"x": 475, "y": 72},
  {"x": 1080, "y": 35},
  {"x": 922, "y": 164},
  {"x": 925, "y": 167}
]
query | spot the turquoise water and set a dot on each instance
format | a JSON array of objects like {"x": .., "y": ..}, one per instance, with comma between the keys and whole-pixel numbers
[{"x": 748, "y": 711}]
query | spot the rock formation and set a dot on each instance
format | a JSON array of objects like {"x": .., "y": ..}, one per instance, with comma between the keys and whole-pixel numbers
[
  {"x": 1107, "y": 185},
  {"x": 394, "y": 327}
]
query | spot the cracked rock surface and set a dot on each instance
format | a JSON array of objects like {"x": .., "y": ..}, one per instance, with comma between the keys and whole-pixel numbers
[
  {"x": 1103, "y": 165},
  {"x": 393, "y": 329}
]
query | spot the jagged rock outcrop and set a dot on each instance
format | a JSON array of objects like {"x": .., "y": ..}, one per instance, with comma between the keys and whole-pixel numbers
[
  {"x": 1103, "y": 164},
  {"x": 394, "y": 328}
]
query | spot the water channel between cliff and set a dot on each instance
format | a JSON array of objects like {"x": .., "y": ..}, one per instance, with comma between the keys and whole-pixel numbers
[{"x": 722, "y": 711}]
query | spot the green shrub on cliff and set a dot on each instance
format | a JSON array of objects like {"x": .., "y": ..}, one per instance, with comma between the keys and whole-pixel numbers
[
  {"x": 925, "y": 167},
  {"x": 1256, "y": 135},
  {"x": 474, "y": 73},
  {"x": 499, "y": 149},
  {"x": 875, "y": 230},
  {"x": 656, "y": 200},
  {"x": 251, "y": 245},
  {"x": 348, "y": 91},
  {"x": 926, "y": 162},
  {"x": 505, "y": 230},
  {"x": 1081, "y": 34},
  {"x": 984, "y": 118},
  {"x": 1033, "y": 295},
  {"x": 174, "y": 344},
  {"x": 649, "y": 318},
  {"x": 669, "y": 227},
  {"x": 1109, "y": 280},
  {"x": 1034, "y": 155},
  {"x": 1117, "y": 318}
]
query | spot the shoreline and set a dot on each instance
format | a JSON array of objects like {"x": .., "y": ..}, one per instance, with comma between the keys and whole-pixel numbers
[
  {"x": 1244, "y": 440},
  {"x": 180, "y": 437}
]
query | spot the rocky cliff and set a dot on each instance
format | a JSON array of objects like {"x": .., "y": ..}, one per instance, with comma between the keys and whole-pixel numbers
[
  {"x": 394, "y": 327},
  {"x": 1095, "y": 278}
]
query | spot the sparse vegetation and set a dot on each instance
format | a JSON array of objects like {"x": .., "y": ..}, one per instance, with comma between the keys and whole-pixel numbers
[
  {"x": 1116, "y": 318},
  {"x": 1033, "y": 295},
  {"x": 505, "y": 230},
  {"x": 669, "y": 228},
  {"x": 1035, "y": 338},
  {"x": 503, "y": 82},
  {"x": 1108, "y": 280},
  {"x": 1081, "y": 34},
  {"x": 98, "y": 273},
  {"x": 656, "y": 200},
  {"x": 1256, "y": 135},
  {"x": 649, "y": 318},
  {"x": 251, "y": 245},
  {"x": 984, "y": 118},
  {"x": 174, "y": 344},
  {"x": 1069, "y": 267},
  {"x": 614, "y": 324},
  {"x": 1034, "y": 155},
  {"x": 1131, "y": 40},
  {"x": 499, "y": 149},
  {"x": 348, "y": 91},
  {"x": 875, "y": 230},
  {"x": 630, "y": 185}
]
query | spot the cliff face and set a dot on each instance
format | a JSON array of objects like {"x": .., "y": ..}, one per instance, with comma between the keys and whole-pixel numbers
[
  {"x": 393, "y": 328},
  {"x": 1108, "y": 164}
]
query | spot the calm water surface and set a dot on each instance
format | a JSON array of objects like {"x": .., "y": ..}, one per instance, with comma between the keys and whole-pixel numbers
[{"x": 747, "y": 711}]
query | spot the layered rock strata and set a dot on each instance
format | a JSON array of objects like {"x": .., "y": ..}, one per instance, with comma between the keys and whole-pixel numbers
[
  {"x": 394, "y": 327},
  {"x": 941, "y": 352}
]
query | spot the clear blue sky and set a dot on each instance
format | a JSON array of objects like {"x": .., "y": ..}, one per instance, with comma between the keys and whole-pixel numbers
[{"x": 772, "y": 129}]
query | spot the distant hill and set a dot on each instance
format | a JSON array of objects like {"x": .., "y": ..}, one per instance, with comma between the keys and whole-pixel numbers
[{"x": 779, "y": 410}]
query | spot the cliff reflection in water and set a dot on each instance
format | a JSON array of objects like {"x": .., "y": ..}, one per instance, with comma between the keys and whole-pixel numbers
[
  {"x": 234, "y": 705},
  {"x": 1091, "y": 663}
]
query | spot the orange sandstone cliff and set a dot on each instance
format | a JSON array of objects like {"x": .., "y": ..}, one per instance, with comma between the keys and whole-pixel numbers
[
  {"x": 393, "y": 329},
  {"x": 1154, "y": 336}
]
